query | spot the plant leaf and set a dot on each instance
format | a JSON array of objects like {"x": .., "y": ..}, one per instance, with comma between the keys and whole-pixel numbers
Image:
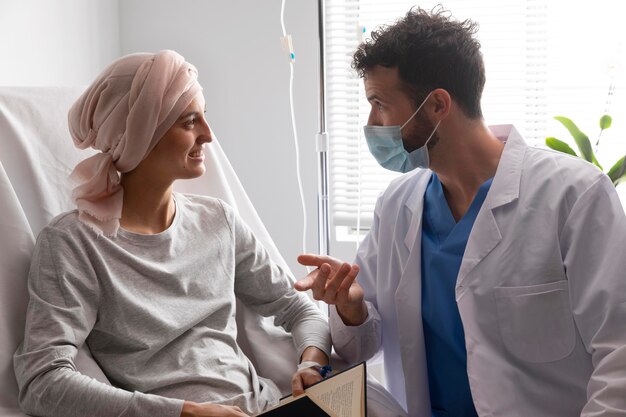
[
  {"x": 582, "y": 140},
  {"x": 559, "y": 145},
  {"x": 605, "y": 122},
  {"x": 617, "y": 173}
]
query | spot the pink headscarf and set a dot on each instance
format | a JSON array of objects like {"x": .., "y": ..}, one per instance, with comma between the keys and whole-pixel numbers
[{"x": 124, "y": 113}]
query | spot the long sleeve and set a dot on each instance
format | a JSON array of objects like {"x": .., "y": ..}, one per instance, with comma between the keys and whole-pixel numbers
[
  {"x": 63, "y": 308},
  {"x": 593, "y": 242},
  {"x": 360, "y": 343},
  {"x": 267, "y": 289}
]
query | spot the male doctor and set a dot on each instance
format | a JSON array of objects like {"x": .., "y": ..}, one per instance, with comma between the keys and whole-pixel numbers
[{"x": 494, "y": 275}]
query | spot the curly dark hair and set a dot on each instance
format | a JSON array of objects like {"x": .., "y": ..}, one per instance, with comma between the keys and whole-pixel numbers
[{"x": 431, "y": 50}]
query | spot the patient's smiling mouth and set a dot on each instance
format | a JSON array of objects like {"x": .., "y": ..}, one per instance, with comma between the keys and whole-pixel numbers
[{"x": 196, "y": 154}]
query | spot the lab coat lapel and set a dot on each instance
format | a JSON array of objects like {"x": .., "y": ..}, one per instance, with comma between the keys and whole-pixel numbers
[
  {"x": 485, "y": 234},
  {"x": 409, "y": 305}
]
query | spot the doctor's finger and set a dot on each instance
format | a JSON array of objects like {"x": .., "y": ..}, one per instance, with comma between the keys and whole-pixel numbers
[
  {"x": 309, "y": 259},
  {"x": 309, "y": 281},
  {"x": 349, "y": 278},
  {"x": 319, "y": 283},
  {"x": 306, "y": 283},
  {"x": 335, "y": 281},
  {"x": 350, "y": 291}
]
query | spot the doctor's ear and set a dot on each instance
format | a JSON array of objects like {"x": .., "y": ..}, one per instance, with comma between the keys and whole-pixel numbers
[{"x": 441, "y": 102}]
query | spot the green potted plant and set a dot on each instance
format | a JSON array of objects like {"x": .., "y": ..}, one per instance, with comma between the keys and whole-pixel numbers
[{"x": 617, "y": 173}]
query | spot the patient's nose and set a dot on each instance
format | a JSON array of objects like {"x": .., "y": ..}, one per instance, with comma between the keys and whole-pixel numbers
[{"x": 206, "y": 135}]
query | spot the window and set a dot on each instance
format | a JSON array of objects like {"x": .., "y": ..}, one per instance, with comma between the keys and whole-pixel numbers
[{"x": 543, "y": 58}]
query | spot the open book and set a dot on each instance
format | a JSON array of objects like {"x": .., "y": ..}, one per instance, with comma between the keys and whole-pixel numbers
[{"x": 341, "y": 395}]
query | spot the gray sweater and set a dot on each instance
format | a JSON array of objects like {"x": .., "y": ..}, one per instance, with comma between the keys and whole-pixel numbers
[{"x": 158, "y": 314}]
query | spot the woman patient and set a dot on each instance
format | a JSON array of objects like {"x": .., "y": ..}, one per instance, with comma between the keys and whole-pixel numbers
[{"x": 148, "y": 277}]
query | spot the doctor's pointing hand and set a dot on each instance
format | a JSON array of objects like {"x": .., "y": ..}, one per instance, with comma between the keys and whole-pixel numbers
[{"x": 334, "y": 282}]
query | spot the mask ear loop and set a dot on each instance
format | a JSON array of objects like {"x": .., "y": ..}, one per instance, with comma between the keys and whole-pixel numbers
[
  {"x": 425, "y": 145},
  {"x": 432, "y": 134}
]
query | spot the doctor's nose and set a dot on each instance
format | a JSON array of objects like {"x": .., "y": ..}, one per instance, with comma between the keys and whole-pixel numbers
[{"x": 373, "y": 119}]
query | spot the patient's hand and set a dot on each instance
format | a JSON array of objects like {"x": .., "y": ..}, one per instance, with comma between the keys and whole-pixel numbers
[
  {"x": 191, "y": 409},
  {"x": 304, "y": 378},
  {"x": 334, "y": 282}
]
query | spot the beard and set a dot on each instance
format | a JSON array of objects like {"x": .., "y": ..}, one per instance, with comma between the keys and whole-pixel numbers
[{"x": 418, "y": 132}]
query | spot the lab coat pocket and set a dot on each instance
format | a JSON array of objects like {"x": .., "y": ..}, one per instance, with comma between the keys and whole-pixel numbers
[{"x": 536, "y": 321}]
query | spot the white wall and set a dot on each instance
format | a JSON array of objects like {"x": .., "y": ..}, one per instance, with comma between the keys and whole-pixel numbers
[
  {"x": 60, "y": 42},
  {"x": 236, "y": 47}
]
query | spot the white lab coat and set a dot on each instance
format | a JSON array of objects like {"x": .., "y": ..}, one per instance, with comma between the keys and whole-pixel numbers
[{"x": 541, "y": 290}]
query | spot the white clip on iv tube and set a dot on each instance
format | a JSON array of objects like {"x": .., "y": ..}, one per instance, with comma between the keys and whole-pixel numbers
[
  {"x": 321, "y": 142},
  {"x": 288, "y": 47}
]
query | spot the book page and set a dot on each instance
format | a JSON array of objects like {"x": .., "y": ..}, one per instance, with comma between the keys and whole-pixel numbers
[{"x": 342, "y": 395}]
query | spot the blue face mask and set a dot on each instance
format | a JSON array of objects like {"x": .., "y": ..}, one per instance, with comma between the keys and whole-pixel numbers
[{"x": 385, "y": 144}]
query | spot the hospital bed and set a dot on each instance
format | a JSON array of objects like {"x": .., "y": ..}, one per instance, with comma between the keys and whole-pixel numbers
[{"x": 36, "y": 157}]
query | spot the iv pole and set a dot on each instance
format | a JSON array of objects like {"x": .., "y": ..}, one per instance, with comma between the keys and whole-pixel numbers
[{"x": 322, "y": 141}]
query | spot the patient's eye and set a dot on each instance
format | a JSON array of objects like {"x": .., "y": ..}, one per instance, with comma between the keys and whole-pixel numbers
[{"x": 190, "y": 123}]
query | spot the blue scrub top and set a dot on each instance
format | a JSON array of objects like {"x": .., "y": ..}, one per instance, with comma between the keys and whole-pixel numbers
[{"x": 443, "y": 246}]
